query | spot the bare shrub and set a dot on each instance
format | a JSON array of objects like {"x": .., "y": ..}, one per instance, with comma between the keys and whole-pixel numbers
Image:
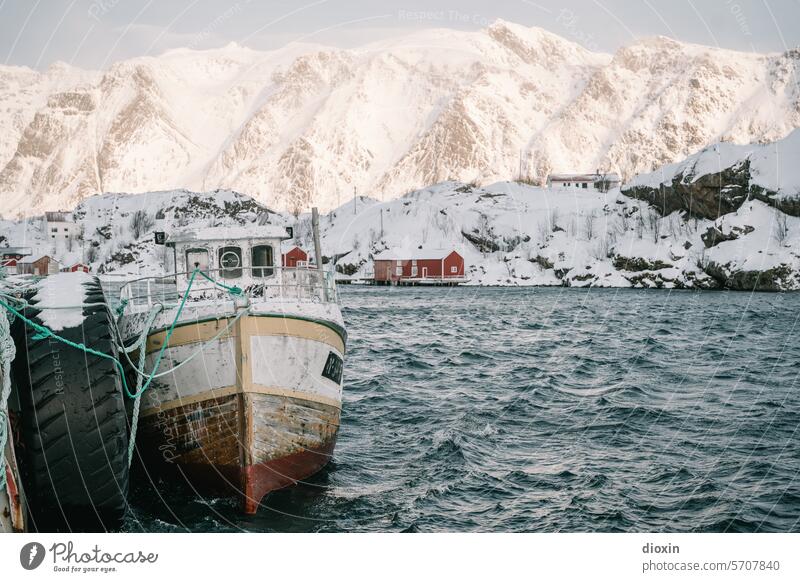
[
  {"x": 543, "y": 229},
  {"x": 588, "y": 225},
  {"x": 572, "y": 227},
  {"x": 622, "y": 224},
  {"x": 553, "y": 218},
  {"x": 141, "y": 222},
  {"x": 91, "y": 253},
  {"x": 654, "y": 224},
  {"x": 781, "y": 227},
  {"x": 639, "y": 225},
  {"x": 603, "y": 248}
]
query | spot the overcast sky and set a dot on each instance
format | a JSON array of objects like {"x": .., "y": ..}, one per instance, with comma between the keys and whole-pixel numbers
[{"x": 95, "y": 33}]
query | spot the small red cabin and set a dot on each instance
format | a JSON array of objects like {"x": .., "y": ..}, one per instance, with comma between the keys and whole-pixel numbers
[
  {"x": 10, "y": 265},
  {"x": 76, "y": 267},
  {"x": 419, "y": 267},
  {"x": 11, "y": 256},
  {"x": 295, "y": 257}
]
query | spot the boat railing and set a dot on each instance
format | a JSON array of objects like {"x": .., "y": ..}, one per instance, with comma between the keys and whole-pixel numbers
[{"x": 256, "y": 283}]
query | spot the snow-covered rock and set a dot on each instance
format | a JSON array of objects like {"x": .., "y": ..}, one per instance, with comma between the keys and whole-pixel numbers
[
  {"x": 306, "y": 125},
  {"x": 720, "y": 178}
]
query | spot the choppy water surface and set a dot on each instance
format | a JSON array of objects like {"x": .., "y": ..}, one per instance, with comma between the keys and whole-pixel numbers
[{"x": 546, "y": 410}]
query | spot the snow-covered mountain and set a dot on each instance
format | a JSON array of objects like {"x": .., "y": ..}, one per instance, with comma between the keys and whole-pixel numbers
[{"x": 309, "y": 125}]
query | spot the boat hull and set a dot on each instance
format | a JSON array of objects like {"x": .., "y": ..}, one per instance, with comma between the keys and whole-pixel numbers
[{"x": 275, "y": 424}]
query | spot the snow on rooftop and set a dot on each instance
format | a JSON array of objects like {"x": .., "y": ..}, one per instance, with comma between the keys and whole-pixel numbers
[
  {"x": 612, "y": 177},
  {"x": 230, "y": 233},
  {"x": 34, "y": 258},
  {"x": 413, "y": 254},
  {"x": 61, "y": 298}
]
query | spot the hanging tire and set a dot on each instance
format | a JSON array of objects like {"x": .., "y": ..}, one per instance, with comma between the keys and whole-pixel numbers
[{"x": 74, "y": 435}]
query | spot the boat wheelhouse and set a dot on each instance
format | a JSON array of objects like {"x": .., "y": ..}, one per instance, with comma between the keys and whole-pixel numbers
[{"x": 240, "y": 255}]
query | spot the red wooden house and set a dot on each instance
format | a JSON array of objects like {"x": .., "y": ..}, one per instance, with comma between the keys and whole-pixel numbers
[
  {"x": 76, "y": 267},
  {"x": 419, "y": 267},
  {"x": 295, "y": 257},
  {"x": 10, "y": 265},
  {"x": 11, "y": 256}
]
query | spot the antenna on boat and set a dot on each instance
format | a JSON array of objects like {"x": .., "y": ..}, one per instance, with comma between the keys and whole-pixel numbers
[{"x": 318, "y": 247}]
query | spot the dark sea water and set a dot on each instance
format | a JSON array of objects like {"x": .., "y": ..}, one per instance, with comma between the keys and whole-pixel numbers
[{"x": 546, "y": 409}]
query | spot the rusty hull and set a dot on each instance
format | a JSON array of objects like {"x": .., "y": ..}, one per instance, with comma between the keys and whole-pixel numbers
[{"x": 246, "y": 444}]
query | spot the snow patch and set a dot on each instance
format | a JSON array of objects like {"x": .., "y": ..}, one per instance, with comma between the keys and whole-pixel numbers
[{"x": 61, "y": 297}]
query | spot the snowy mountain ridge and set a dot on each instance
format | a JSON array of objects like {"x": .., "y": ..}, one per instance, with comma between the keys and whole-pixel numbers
[{"x": 308, "y": 125}]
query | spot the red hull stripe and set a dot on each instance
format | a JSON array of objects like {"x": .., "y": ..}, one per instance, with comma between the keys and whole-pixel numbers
[{"x": 276, "y": 474}]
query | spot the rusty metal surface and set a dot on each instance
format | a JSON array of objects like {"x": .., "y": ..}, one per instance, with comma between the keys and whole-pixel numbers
[
  {"x": 246, "y": 444},
  {"x": 15, "y": 509},
  {"x": 283, "y": 426}
]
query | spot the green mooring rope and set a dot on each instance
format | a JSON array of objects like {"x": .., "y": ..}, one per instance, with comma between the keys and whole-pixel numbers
[{"x": 43, "y": 332}]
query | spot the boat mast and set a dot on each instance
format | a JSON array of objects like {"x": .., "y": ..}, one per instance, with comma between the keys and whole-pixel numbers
[{"x": 318, "y": 249}]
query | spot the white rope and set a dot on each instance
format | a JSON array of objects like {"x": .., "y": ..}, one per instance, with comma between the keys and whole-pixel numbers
[
  {"x": 140, "y": 371},
  {"x": 141, "y": 344},
  {"x": 7, "y": 353}
]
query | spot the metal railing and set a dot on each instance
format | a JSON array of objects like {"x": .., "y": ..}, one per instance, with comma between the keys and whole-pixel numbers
[{"x": 284, "y": 283}]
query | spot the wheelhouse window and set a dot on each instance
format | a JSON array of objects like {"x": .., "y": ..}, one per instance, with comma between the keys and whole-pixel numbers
[
  {"x": 230, "y": 262},
  {"x": 197, "y": 259},
  {"x": 262, "y": 261}
]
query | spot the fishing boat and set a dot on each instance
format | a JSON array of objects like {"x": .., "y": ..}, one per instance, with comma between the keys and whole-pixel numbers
[{"x": 248, "y": 356}]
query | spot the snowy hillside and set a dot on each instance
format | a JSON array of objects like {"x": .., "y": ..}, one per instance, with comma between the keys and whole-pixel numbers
[
  {"x": 307, "y": 125},
  {"x": 650, "y": 234},
  {"x": 117, "y": 229},
  {"x": 513, "y": 234}
]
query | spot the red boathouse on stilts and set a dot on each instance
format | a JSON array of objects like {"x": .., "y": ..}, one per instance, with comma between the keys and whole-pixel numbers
[{"x": 419, "y": 267}]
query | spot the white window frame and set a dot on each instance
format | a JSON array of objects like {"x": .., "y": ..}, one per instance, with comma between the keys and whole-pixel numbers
[{"x": 190, "y": 266}]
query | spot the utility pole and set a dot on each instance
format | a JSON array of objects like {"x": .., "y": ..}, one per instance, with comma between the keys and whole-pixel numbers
[
  {"x": 355, "y": 201},
  {"x": 381, "y": 223}
]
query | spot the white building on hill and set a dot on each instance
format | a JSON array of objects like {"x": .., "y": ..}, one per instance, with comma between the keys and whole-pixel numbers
[
  {"x": 596, "y": 181},
  {"x": 61, "y": 229}
]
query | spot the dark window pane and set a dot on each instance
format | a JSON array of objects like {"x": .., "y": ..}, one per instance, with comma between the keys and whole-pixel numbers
[{"x": 262, "y": 257}]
